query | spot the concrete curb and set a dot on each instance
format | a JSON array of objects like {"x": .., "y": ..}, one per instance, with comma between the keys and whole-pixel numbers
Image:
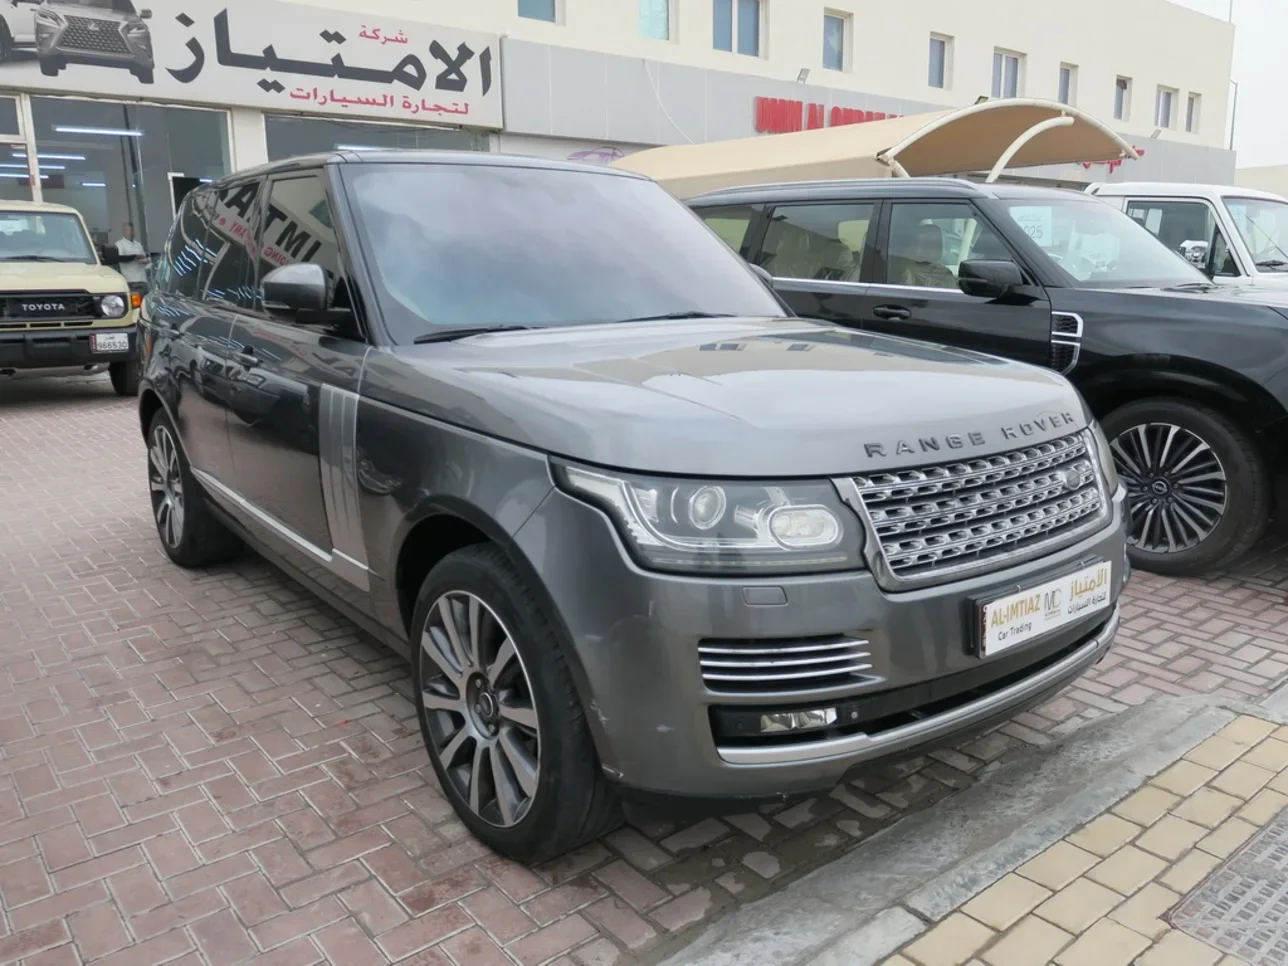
[{"x": 871, "y": 901}]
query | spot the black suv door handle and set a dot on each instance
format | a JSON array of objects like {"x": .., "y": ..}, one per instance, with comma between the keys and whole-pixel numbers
[{"x": 892, "y": 313}]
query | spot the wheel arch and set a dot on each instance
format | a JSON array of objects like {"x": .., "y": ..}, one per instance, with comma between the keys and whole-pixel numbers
[
  {"x": 1230, "y": 393},
  {"x": 150, "y": 404},
  {"x": 446, "y": 524}
]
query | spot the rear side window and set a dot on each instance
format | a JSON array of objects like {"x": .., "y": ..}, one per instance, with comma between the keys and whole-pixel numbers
[
  {"x": 185, "y": 264},
  {"x": 732, "y": 223},
  {"x": 823, "y": 242}
]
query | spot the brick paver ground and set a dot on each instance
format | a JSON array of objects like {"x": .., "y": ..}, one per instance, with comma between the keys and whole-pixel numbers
[
  {"x": 214, "y": 767},
  {"x": 1106, "y": 894}
]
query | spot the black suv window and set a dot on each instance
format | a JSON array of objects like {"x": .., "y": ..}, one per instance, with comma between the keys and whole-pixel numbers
[
  {"x": 234, "y": 213},
  {"x": 298, "y": 227},
  {"x": 817, "y": 241},
  {"x": 929, "y": 241},
  {"x": 731, "y": 223},
  {"x": 184, "y": 266}
]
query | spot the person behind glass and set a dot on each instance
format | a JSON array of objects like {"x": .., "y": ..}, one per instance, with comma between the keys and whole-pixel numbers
[{"x": 134, "y": 260}]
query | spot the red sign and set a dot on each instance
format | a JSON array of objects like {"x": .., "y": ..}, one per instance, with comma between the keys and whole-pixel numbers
[
  {"x": 777, "y": 115},
  {"x": 1114, "y": 164}
]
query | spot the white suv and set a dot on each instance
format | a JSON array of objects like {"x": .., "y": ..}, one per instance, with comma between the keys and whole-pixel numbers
[{"x": 1236, "y": 235}]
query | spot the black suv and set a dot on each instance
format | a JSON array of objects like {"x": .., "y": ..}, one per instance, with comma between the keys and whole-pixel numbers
[
  {"x": 534, "y": 426},
  {"x": 1188, "y": 378}
]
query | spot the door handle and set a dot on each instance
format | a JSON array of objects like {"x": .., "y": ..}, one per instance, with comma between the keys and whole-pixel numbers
[{"x": 892, "y": 313}]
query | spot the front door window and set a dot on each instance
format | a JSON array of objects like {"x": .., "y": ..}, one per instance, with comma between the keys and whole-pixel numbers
[{"x": 1188, "y": 228}]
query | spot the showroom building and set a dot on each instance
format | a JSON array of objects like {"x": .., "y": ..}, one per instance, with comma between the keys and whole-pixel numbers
[{"x": 119, "y": 110}]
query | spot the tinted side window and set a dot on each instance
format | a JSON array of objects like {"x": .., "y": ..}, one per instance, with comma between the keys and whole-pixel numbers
[
  {"x": 184, "y": 265},
  {"x": 297, "y": 227},
  {"x": 233, "y": 215},
  {"x": 929, "y": 241},
  {"x": 817, "y": 241},
  {"x": 731, "y": 222}
]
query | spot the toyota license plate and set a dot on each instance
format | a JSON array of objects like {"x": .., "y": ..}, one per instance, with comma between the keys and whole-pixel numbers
[
  {"x": 1006, "y": 622},
  {"x": 110, "y": 341}
]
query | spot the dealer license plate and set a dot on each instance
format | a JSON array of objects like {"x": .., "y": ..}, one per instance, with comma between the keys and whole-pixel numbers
[
  {"x": 110, "y": 341},
  {"x": 1011, "y": 620}
]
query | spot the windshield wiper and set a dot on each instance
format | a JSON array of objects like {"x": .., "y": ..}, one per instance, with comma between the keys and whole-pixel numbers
[
  {"x": 31, "y": 258},
  {"x": 1272, "y": 263},
  {"x": 449, "y": 335},
  {"x": 677, "y": 315}
]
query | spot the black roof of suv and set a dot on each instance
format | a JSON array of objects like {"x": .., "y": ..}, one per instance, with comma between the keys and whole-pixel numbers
[{"x": 1187, "y": 377}]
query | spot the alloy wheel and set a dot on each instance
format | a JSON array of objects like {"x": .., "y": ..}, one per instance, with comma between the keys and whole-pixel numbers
[
  {"x": 166, "y": 481},
  {"x": 479, "y": 707},
  {"x": 1176, "y": 486}
]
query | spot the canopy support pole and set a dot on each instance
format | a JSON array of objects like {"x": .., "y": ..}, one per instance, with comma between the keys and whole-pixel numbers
[{"x": 1063, "y": 121}]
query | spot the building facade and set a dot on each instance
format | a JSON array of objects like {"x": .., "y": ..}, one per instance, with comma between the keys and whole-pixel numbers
[{"x": 119, "y": 110}]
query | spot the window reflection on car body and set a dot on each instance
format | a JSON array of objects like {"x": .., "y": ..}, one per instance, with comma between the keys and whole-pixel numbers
[{"x": 447, "y": 335}]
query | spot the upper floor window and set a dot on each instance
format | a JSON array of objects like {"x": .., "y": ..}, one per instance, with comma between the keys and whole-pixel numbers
[
  {"x": 1192, "y": 109},
  {"x": 538, "y": 9},
  {"x": 1165, "y": 107},
  {"x": 941, "y": 58},
  {"x": 1067, "y": 92},
  {"x": 736, "y": 26},
  {"x": 1122, "y": 98},
  {"x": 835, "y": 27},
  {"x": 1006, "y": 73},
  {"x": 655, "y": 19}
]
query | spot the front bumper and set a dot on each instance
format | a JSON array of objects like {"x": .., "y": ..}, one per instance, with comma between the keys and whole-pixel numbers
[
  {"x": 61, "y": 348},
  {"x": 65, "y": 44},
  {"x": 659, "y": 727}
]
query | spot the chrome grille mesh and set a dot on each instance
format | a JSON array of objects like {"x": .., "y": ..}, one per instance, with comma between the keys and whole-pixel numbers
[
  {"x": 938, "y": 520},
  {"x": 771, "y": 665}
]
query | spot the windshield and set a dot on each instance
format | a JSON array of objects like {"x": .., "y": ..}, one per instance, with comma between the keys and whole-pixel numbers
[
  {"x": 43, "y": 238},
  {"x": 1263, "y": 226},
  {"x": 119, "y": 6},
  {"x": 475, "y": 245},
  {"x": 1099, "y": 245}
]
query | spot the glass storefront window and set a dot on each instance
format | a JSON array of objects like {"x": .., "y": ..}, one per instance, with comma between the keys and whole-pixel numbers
[
  {"x": 292, "y": 137},
  {"x": 15, "y": 179},
  {"x": 120, "y": 164}
]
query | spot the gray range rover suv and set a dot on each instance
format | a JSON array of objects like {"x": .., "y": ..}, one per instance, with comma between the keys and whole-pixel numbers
[{"x": 639, "y": 531}]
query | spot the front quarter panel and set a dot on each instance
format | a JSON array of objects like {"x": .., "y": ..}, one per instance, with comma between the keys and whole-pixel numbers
[{"x": 412, "y": 468}]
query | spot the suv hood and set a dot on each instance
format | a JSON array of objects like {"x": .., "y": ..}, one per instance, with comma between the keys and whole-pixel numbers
[
  {"x": 60, "y": 277},
  {"x": 729, "y": 397}
]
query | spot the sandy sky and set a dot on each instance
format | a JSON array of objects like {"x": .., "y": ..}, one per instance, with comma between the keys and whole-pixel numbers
[{"x": 1260, "y": 134}]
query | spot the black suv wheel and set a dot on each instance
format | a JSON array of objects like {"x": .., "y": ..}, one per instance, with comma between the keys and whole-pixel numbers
[
  {"x": 1198, "y": 488},
  {"x": 190, "y": 535},
  {"x": 500, "y": 716}
]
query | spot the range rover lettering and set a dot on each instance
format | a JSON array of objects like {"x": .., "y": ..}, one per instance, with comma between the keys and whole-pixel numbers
[
  {"x": 1185, "y": 374},
  {"x": 641, "y": 533}
]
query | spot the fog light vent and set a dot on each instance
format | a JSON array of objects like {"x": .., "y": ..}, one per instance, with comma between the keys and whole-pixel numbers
[{"x": 774, "y": 666}]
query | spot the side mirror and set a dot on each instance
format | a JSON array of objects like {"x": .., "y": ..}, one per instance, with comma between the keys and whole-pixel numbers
[
  {"x": 108, "y": 255},
  {"x": 763, "y": 274},
  {"x": 988, "y": 279},
  {"x": 292, "y": 289},
  {"x": 145, "y": 14}
]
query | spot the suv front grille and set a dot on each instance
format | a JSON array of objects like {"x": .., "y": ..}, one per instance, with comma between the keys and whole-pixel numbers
[
  {"x": 99, "y": 36},
  {"x": 45, "y": 309},
  {"x": 776, "y": 665},
  {"x": 934, "y": 522}
]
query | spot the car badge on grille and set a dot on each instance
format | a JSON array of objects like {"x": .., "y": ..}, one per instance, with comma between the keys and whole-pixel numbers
[
  {"x": 1072, "y": 477},
  {"x": 92, "y": 26}
]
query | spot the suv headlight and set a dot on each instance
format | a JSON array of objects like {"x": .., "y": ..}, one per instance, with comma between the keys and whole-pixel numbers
[
  {"x": 708, "y": 526},
  {"x": 1106, "y": 457},
  {"x": 112, "y": 306}
]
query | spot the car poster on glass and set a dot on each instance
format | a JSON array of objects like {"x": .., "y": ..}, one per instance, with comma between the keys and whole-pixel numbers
[{"x": 273, "y": 55}]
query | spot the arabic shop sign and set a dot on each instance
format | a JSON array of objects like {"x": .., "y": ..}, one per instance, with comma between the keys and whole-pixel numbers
[
  {"x": 273, "y": 55},
  {"x": 779, "y": 115}
]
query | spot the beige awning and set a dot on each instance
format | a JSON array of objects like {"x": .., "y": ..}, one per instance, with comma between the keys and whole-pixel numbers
[{"x": 974, "y": 138}]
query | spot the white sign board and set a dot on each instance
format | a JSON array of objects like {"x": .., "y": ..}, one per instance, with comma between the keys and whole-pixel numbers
[
  {"x": 1036, "y": 222},
  {"x": 277, "y": 56}
]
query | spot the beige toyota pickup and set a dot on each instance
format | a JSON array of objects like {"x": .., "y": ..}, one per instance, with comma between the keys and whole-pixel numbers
[{"x": 60, "y": 307}]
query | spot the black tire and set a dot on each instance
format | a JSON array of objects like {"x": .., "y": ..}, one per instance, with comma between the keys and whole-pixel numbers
[
  {"x": 198, "y": 539},
  {"x": 125, "y": 377},
  {"x": 572, "y": 803},
  {"x": 142, "y": 74},
  {"x": 1234, "y": 527}
]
